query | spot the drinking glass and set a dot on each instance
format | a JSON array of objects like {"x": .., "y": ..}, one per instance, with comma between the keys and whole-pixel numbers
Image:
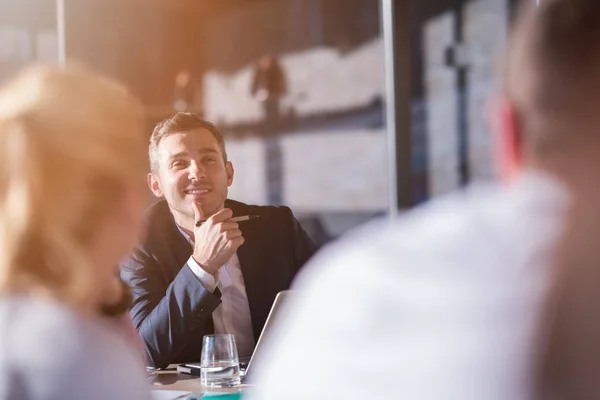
[{"x": 219, "y": 364}]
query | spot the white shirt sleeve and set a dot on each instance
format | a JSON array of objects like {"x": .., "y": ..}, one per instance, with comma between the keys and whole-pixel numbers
[{"x": 208, "y": 281}]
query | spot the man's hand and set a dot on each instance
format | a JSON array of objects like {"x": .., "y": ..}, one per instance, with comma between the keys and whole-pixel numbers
[{"x": 216, "y": 240}]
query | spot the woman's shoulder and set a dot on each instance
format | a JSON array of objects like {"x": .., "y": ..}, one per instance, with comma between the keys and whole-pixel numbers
[
  {"x": 47, "y": 345},
  {"x": 45, "y": 326}
]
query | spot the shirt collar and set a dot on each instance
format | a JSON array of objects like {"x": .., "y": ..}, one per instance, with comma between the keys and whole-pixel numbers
[{"x": 187, "y": 237}]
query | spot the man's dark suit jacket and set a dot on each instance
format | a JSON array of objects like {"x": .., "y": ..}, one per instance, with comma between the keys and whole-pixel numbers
[{"x": 171, "y": 309}]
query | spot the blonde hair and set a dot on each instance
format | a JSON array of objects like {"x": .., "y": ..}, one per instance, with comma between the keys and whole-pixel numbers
[{"x": 70, "y": 142}]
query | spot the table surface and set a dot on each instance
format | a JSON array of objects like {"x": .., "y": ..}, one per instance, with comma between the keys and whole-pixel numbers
[{"x": 171, "y": 379}]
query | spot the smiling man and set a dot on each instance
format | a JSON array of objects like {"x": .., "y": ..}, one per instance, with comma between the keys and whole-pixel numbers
[{"x": 199, "y": 272}]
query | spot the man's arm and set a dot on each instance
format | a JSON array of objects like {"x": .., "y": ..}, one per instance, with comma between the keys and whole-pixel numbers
[{"x": 166, "y": 315}]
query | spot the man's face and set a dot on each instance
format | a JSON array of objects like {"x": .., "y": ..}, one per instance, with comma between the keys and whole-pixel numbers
[{"x": 191, "y": 169}]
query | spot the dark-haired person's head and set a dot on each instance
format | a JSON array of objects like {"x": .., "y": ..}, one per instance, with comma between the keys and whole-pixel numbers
[
  {"x": 550, "y": 121},
  {"x": 547, "y": 118},
  {"x": 188, "y": 163}
]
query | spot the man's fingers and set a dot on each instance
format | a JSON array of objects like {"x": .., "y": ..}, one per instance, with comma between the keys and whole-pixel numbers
[
  {"x": 222, "y": 215},
  {"x": 237, "y": 242},
  {"x": 228, "y": 226},
  {"x": 198, "y": 212},
  {"x": 232, "y": 234}
]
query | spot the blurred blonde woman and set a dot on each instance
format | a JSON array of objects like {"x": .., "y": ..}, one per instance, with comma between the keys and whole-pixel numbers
[{"x": 72, "y": 161}]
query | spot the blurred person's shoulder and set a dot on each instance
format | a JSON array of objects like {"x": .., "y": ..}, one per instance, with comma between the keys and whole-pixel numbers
[
  {"x": 162, "y": 234},
  {"x": 159, "y": 234},
  {"x": 265, "y": 212},
  {"x": 471, "y": 227},
  {"x": 276, "y": 222},
  {"x": 385, "y": 287},
  {"x": 47, "y": 348},
  {"x": 158, "y": 220}
]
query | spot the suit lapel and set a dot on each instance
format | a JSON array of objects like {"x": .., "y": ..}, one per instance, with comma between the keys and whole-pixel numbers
[{"x": 182, "y": 249}]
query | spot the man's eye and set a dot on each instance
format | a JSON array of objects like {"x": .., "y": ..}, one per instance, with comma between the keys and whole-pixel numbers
[
  {"x": 210, "y": 159},
  {"x": 178, "y": 164}
]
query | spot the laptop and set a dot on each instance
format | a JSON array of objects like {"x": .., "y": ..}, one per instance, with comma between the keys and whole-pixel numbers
[{"x": 263, "y": 340}]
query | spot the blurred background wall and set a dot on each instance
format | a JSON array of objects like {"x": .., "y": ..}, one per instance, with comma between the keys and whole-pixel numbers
[{"x": 321, "y": 148}]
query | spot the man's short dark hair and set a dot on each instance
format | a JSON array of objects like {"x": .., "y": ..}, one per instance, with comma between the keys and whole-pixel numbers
[
  {"x": 553, "y": 66},
  {"x": 180, "y": 123}
]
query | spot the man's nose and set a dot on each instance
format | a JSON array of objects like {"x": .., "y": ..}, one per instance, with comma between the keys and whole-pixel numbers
[{"x": 196, "y": 172}]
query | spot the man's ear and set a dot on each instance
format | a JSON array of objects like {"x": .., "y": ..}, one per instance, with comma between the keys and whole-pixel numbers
[
  {"x": 230, "y": 171},
  {"x": 507, "y": 138},
  {"x": 154, "y": 185}
]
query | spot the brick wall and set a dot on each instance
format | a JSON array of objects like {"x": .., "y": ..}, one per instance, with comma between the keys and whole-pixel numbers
[{"x": 484, "y": 26}]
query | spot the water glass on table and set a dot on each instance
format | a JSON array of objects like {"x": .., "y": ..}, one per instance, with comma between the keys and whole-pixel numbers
[{"x": 219, "y": 364}]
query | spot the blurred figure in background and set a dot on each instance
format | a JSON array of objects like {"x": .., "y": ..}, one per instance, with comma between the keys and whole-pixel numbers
[
  {"x": 72, "y": 155},
  {"x": 269, "y": 86},
  {"x": 186, "y": 92},
  {"x": 444, "y": 303}
]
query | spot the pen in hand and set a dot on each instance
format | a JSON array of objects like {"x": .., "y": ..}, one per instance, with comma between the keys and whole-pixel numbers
[{"x": 234, "y": 219}]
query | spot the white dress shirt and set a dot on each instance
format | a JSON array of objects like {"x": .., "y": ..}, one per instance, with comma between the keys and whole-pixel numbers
[
  {"x": 233, "y": 314},
  {"x": 448, "y": 308}
]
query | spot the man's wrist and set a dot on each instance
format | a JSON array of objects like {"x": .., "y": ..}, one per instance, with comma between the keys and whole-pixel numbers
[
  {"x": 204, "y": 267},
  {"x": 208, "y": 280}
]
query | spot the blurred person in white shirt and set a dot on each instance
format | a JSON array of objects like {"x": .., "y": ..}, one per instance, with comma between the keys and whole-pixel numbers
[
  {"x": 445, "y": 302},
  {"x": 72, "y": 154}
]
